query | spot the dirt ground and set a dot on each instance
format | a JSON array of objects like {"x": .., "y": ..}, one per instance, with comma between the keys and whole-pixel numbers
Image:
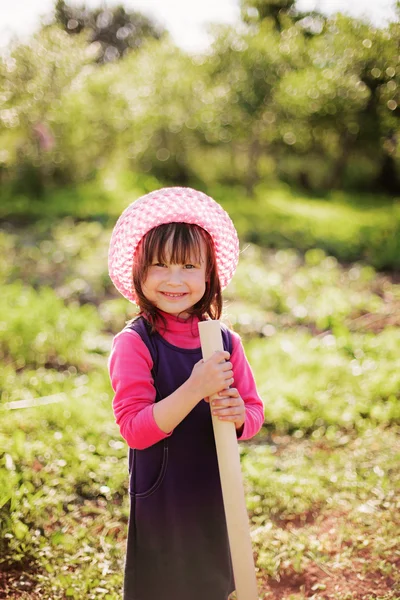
[{"x": 313, "y": 583}]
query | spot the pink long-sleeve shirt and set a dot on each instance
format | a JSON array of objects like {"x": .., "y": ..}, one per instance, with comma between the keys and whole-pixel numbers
[{"x": 130, "y": 367}]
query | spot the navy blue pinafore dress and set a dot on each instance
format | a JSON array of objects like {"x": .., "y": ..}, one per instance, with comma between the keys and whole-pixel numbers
[{"x": 177, "y": 546}]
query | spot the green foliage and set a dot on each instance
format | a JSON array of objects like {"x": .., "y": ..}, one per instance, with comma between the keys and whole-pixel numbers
[
  {"x": 348, "y": 226},
  {"x": 314, "y": 290},
  {"x": 115, "y": 30},
  {"x": 102, "y": 198},
  {"x": 334, "y": 381},
  {"x": 309, "y": 100},
  {"x": 37, "y": 329},
  {"x": 322, "y": 363},
  {"x": 297, "y": 492},
  {"x": 275, "y": 10},
  {"x": 34, "y": 78},
  {"x": 56, "y": 462},
  {"x": 322, "y": 340},
  {"x": 301, "y": 98}
]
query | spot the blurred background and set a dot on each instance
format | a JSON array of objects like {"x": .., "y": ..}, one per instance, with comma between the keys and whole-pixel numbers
[
  {"x": 287, "y": 113},
  {"x": 277, "y": 93}
]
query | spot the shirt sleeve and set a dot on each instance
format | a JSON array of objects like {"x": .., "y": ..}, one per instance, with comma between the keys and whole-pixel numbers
[
  {"x": 246, "y": 386},
  {"x": 130, "y": 365}
]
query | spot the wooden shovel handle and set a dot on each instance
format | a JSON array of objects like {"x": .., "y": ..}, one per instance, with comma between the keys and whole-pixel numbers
[{"x": 231, "y": 482}]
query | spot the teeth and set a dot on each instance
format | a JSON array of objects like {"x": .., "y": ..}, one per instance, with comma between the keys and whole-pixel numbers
[{"x": 173, "y": 295}]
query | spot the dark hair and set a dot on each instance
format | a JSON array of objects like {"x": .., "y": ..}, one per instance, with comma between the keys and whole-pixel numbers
[{"x": 185, "y": 241}]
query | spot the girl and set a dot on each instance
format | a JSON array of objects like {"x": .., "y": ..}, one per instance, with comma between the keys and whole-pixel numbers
[{"x": 171, "y": 253}]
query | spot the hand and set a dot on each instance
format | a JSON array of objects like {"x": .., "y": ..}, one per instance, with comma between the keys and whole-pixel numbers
[
  {"x": 213, "y": 375},
  {"x": 229, "y": 406}
]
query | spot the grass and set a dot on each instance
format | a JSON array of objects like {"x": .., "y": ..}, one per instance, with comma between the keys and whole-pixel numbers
[
  {"x": 349, "y": 226},
  {"x": 319, "y": 508},
  {"x": 321, "y": 478},
  {"x": 341, "y": 535}
]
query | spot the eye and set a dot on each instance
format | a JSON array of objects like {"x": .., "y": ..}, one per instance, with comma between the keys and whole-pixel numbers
[
  {"x": 190, "y": 266},
  {"x": 158, "y": 264}
]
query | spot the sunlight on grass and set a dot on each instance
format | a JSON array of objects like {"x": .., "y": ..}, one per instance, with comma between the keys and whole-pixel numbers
[{"x": 322, "y": 476}]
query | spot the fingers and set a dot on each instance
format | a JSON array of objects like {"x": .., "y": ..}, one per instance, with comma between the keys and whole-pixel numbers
[
  {"x": 228, "y": 414},
  {"x": 226, "y": 366},
  {"x": 229, "y": 393},
  {"x": 227, "y": 403},
  {"x": 231, "y": 408},
  {"x": 212, "y": 375},
  {"x": 235, "y": 416},
  {"x": 219, "y": 364},
  {"x": 221, "y": 355}
]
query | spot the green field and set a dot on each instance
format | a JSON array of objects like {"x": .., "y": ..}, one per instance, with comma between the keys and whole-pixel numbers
[{"x": 322, "y": 331}]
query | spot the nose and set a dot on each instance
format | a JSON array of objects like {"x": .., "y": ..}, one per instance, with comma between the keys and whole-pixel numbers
[{"x": 174, "y": 275}]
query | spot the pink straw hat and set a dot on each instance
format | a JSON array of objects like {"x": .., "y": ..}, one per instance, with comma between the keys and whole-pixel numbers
[{"x": 170, "y": 205}]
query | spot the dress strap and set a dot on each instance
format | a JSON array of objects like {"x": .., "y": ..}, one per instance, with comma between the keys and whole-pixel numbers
[
  {"x": 142, "y": 327},
  {"x": 226, "y": 338}
]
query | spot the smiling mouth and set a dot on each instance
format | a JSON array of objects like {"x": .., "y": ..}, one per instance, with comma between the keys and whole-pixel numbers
[{"x": 169, "y": 295}]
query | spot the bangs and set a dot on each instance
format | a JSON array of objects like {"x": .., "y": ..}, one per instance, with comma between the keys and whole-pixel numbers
[{"x": 175, "y": 243}]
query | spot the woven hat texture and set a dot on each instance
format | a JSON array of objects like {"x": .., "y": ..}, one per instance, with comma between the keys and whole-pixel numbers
[{"x": 170, "y": 205}]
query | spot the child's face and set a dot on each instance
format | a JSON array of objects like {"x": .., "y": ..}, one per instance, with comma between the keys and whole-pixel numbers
[{"x": 175, "y": 288}]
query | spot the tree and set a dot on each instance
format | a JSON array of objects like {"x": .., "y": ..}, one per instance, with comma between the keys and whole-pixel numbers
[
  {"x": 323, "y": 106},
  {"x": 283, "y": 14},
  {"x": 34, "y": 77},
  {"x": 116, "y": 30},
  {"x": 259, "y": 10}
]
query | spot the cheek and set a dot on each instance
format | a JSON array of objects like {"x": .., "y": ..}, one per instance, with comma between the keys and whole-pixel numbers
[
  {"x": 201, "y": 282},
  {"x": 151, "y": 279},
  {"x": 148, "y": 284}
]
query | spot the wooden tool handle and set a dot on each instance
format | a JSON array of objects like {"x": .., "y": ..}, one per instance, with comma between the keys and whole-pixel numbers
[{"x": 231, "y": 482}]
